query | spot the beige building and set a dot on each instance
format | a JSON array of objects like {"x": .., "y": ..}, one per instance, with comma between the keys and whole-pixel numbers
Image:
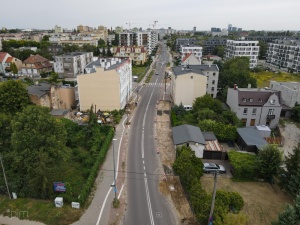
[
  {"x": 138, "y": 55},
  {"x": 187, "y": 85},
  {"x": 106, "y": 84},
  {"x": 52, "y": 96}
]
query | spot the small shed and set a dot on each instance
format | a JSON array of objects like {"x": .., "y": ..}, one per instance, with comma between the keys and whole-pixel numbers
[
  {"x": 263, "y": 130},
  {"x": 213, "y": 149},
  {"x": 250, "y": 140},
  {"x": 190, "y": 136}
]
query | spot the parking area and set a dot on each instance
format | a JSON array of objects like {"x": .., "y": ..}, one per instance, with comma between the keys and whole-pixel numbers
[{"x": 224, "y": 163}]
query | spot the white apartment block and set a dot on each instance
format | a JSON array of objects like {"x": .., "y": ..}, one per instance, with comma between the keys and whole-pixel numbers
[
  {"x": 290, "y": 92},
  {"x": 71, "y": 64},
  {"x": 194, "y": 49},
  {"x": 285, "y": 53},
  {"x": 107, "y": 84},
  {"x": 249, "y": 49},
  {"x": 78, "y": 39},
  {"x": 147, "y": 39}
]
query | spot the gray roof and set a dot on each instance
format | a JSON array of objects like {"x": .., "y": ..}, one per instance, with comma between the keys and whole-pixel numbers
[
  {"x": 39, "y": 90},
  {"x": 291, "y": 85},
  {"x": 251, "y": 137},
  {"x": 199, "y": 69},
  {"x": 209, "y": 136},
  {"x": 187, "y": 133},
  {"x": 59, "y": 112}
]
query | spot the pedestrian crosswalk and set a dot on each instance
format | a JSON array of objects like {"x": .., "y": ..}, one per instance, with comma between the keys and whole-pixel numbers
[{"x": 155, "y": 84}]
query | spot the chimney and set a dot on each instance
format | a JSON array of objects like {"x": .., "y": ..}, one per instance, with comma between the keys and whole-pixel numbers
[
  {"x": 249, "y": 86},
  {"x": 234, "y": 86},
  {"x": 107, "y": 65}
]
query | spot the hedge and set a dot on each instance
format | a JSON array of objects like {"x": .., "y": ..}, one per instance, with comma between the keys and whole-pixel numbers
[
  {"x": 84, "y": 194},
  {"x": 244, "y": 165}
]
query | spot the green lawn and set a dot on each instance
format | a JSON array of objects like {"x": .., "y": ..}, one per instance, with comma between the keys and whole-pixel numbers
[
  {"x": 149, "y": 76},
  {"x": 264, "y": 78},
  {"x": 136, "y": 71}
]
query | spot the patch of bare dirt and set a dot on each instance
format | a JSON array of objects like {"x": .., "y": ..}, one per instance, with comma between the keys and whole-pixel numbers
[
  {"x": 171, "y": 186},
  {"x": 262, "y": 203}
]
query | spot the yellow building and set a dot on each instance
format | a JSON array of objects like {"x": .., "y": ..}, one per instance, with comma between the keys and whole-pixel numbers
[
  {"x": 138, "y": 55},
  {"x": 106, "y": 84}
]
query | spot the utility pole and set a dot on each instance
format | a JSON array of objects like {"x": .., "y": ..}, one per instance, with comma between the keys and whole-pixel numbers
[
  {"x": 5, "y": 177},
  {"x": 213, "y": 199}
]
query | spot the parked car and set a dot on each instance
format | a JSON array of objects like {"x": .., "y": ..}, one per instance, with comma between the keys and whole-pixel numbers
[
  {"x": 212, "y": 167},
  {"x": 156, "y": 73}
]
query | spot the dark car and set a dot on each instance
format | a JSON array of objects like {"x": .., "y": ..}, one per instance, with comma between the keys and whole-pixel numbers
[{"x": 212, "y": 167}]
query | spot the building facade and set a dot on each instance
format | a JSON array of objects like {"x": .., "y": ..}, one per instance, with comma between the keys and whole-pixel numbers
[
  {"x": 35, "y": 65},
  {"x": 6, "y": 60},
  {"x": 255, "y": 106},
  {"x": 290, "y": 92},
  {"x": 71, "y": 64},
  {"x": 185, "y": 42},
  {"x": 106, "y": 84},
  {"x": 248, "y": 49},
  {"x": 285, "y": 53},
  {"x": 138, "y": 55},
  {"x": 210, "y": 44}
]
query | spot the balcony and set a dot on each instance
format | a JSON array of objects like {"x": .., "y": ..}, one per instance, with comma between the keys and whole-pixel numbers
[{"x": 270, "y": 117}]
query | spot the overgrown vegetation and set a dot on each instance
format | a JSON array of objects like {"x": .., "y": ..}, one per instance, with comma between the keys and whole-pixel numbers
[
  {"x": 199, "y": 199},
  {"x": 208, "y": 114}
]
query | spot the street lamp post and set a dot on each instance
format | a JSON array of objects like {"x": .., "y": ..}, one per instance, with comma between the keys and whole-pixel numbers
[
  {"x": 5, "y": 177},
  {"x": 115, "y": 187}
]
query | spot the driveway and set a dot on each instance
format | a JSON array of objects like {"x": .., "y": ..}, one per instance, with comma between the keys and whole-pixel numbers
[
  {"x": 224, "y": 163},
  {"x": 291, "y": 135}
]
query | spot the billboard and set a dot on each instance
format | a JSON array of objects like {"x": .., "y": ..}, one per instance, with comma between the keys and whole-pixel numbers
[{"x": 59, "y": 187}]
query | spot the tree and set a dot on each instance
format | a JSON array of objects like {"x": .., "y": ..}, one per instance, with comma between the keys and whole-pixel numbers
[
  {"x": 207, "y": 102},
  {"x": 13, "y": 68},
  {"x": 235, "y": 71},
  {"x": 38, "y": 144},
  {"x": 53, "y": 77},
  {"x": 291, "y": 214},
  {"x": 46, "y": 38},
  {"x": 296, "y": 113},
  {"x": 13, "y": 97},
  {"x": 219, "y": 51},
  {"x": 262, "y": 50},
  {"x": 108, "y": 53},
  {"x": 103, "y": 53},
  {"x": 101, "y": 43},
  {"x": 270, "y": 160},
  {"x": 5, "y": 133},
  {"x": 88, "y": 48}
]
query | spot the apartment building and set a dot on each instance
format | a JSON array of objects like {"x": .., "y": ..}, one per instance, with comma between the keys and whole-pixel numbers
[
  {"x": 185, "y": 42},
  {"x": 71, "y": 64},
  {"x": 138, "y": 55},
  {"x": 147, "y": 39},
  {"x": 285, "y": 53},
  {"x": 194, "y": 49},
  {"x": 107, "y": 84},
  {"x": 249, "y": 49},
  {"x": 210, "y": 44},
  {"x": 255, "y": 106},
  {"x": 192, "y": 81},
  {"x": 78, "y": 39}
]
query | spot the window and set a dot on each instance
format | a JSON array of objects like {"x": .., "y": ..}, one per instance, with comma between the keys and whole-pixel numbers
[
  {"x": 272, "y": 102},
  {"x": 245, "y": 110},
  {"x": 207, "y": 77},
  {"x": 214, "y": 74},
  {"x": 250, "y": 99},
  {"x": 254, "y": 111},
  {"x": 191, "y": 77},
  {"x": 213, "y": 82},
  {"x": 212, "y": 89},
  {"x": 244, "y": 100},
  {"x": 260, "y": 100},
  {"x": 271, "y": 112}
]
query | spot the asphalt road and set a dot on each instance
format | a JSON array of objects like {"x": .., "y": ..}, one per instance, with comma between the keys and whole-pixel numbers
[{"x": 145, "y": 205}]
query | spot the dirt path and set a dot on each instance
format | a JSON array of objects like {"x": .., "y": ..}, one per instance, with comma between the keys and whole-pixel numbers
[
  {"x": 291, "y": 135},
  {"x": 171, "y": 186}
]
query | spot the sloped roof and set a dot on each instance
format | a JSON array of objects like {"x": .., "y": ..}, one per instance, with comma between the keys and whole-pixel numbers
[
  {"x": 2, "y": 56},
  {"x": 199, "y": 69},
  {"x": 39, "y": 90},
  {"x": 187, "y": 56},
  {"x": 251, "y": 137},
  {"x": 187, "y": 133},
  {"x": 9, "y": 59},
  {"x": 35, "y": 59},
  {"x": 209, "y": 136},
  {"x": 259, "y": 96},
  {"x": 59, "y": 112}
]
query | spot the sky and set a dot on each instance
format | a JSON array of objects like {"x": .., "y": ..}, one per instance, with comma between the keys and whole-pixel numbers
[{"x": 180, "y": 15}]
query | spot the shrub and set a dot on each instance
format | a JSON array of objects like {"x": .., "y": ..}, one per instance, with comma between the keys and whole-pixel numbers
[{"x": 244, "y": 165}]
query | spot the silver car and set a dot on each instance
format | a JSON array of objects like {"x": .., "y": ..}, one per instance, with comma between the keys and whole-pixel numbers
[{"x": 212, "y": 167}]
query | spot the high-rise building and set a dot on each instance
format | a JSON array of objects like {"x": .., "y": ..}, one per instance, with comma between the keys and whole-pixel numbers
[{"x": 194, "y": 29}]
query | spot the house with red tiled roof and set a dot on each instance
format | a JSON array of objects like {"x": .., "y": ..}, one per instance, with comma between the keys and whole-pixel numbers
[
  {"x": 6, "y": 60},
  {"x": 138, "y": 54},
  {"x": 196, "y": 50},
  {"x": 35, "y": 65}
]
